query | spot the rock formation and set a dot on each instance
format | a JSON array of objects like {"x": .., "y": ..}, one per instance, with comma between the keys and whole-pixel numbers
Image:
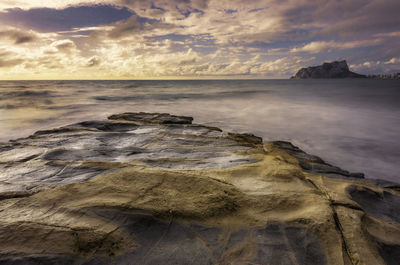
[
  {"x": 148, "y": 188},
  {"x": 337, "y": 69}
]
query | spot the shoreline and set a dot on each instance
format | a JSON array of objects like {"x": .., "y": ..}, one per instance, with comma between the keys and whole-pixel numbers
[{"x": 111, "y": 191}]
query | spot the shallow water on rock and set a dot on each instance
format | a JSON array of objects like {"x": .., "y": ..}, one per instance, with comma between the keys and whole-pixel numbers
[{"x": 354, "y": 124}]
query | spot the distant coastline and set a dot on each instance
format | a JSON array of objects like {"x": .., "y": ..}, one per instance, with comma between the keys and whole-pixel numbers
[
  {"x": 385, "y": 76},
  {"x": 336, "y": 70}
]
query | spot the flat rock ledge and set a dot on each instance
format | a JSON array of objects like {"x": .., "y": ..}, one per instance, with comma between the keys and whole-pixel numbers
[{"x": 154, "y": 188}]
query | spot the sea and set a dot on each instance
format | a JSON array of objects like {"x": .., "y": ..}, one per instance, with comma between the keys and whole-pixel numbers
[{"x": 351, "y": 123}]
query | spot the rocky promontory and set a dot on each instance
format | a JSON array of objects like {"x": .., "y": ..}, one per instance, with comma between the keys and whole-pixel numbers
[
  {"x": 151, "y": 188},
  {"x": 337, "y": 69}
]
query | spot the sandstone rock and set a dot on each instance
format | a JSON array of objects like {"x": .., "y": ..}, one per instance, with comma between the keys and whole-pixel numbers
[
  {"x": 143, "y": 188},
  {"x": 315, "y": 164},
  {"x": 337, "y": 69}
]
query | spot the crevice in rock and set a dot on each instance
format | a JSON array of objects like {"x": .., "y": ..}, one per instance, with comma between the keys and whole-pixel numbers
[
  {"x": 338, "y": 225},
  {"x": 55, "y": 226},
  {"x": 340, "y": 230},
  {"x": 291, "y": 251},
  {"x": 160, "y": 239},
  {"x": 347, "y": 205},
  {"x": 16, "y": 194},
  {"x": 26, "y": 159}
]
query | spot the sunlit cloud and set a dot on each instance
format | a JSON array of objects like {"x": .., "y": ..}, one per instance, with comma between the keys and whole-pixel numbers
[
  {"x": 320, "y": 46},
  {"x": 180, "y": 38},
  {"x": 393, "y": 61},
  {"x": 8, "y": 59}
]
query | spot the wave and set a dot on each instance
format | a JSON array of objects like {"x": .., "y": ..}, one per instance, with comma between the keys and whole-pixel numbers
[{"x": 27, "y": 93}]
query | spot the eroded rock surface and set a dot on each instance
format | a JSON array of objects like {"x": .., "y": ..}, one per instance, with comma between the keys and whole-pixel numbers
[
  {"x": 67, "y": 154},
  {"x": 149, "y": 188},
  {"x": 315, "y": 164}
]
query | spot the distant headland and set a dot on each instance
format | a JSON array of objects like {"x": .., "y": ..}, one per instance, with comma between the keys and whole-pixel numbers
[{"x": 336, "y": 69}]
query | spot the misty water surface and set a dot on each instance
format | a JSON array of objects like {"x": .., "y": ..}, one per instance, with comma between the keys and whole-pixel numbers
[{"x": 354, "y": 124}]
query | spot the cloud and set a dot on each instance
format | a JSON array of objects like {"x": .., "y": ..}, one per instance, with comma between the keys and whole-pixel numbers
[
  {"x": 178, "y": 9},
  {"x": 8, "y": 59},
  {"x": 329, "y": 46},
  {"x": 131, "y": 38},
  {"x": 50, "y": 20},
  {"x": 393, "y": 61},
  {"x": 61, "y": 46},
  {"x": 360, "y": 18},
  {"x": 23, "y": 4},
  {"x": 130, "y": 27},
  {"x": 378, "y": 67},
  {"x": 94, "y": 61},
  {"x": 388, "y": 34},
  {"x": 18, "y": 36},
  {"x": 8, "y": 63}
]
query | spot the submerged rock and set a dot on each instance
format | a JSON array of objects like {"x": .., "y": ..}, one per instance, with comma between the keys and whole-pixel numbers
[
  {"x": 337, "y": 69},
  {"x": 149, "y": 188}
]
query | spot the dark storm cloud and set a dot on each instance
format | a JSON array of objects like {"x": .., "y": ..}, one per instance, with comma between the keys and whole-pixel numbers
[{"x": 50, "y": 20}]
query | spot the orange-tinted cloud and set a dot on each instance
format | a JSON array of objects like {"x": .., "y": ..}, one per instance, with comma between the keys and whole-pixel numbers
[{"x": 194, "y": 38}]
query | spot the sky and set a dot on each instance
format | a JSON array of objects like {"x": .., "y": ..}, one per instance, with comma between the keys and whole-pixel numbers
[{"x": 159, "y": 39}]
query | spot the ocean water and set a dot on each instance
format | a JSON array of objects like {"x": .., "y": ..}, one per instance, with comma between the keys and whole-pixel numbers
[{"x": 354, "y": 124}]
